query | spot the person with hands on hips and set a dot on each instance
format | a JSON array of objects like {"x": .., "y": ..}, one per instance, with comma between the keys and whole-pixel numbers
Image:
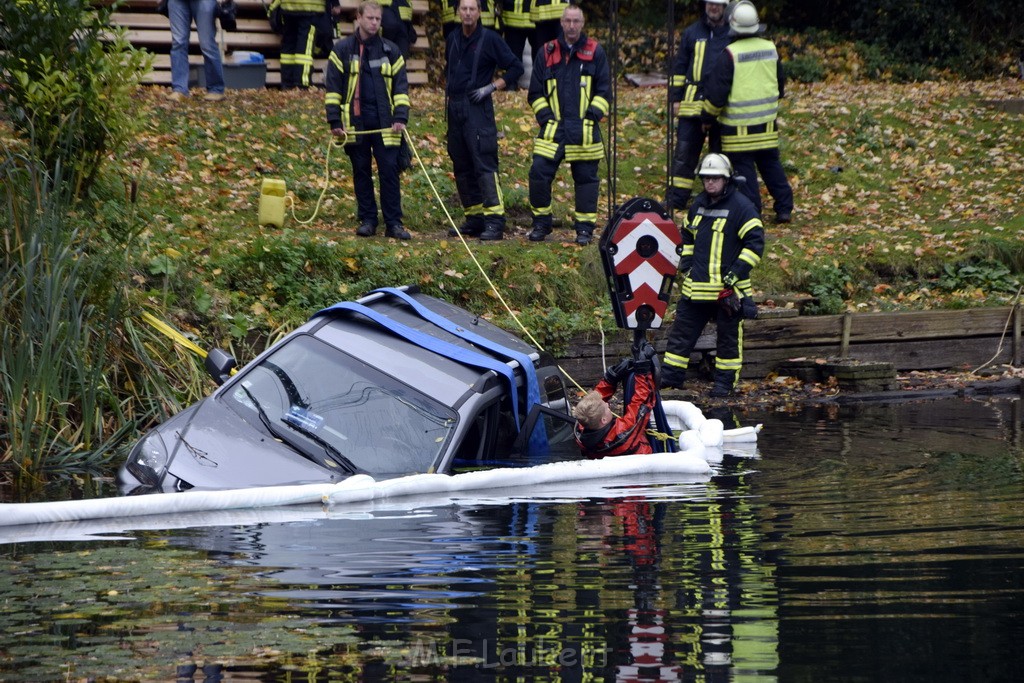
[
  {"x": 474, "y": 52},
  {"x": 723, "y": 240},
  {"x": 601, "y": 434}
]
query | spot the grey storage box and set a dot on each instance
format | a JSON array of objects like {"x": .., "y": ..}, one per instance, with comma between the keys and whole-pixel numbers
[{"x": 236, "y": 76}]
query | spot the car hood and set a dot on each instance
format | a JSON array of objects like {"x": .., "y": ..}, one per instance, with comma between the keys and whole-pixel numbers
[{"x": 213, "y": 447}]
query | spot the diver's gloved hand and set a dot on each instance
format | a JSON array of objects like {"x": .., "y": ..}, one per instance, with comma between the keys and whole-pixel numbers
[
  {"x": 480, "y": 94},
  {"x": 645, "y": 358},
  {"x": 644, "y": 351},
  {"x": 617, "y": 373}
]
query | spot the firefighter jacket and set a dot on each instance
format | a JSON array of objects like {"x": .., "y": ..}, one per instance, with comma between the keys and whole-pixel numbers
[
  {"x": 743, "y": 93},
  {"x": 516, "y": 14},
  {"x": 548, "y": 10},
  {"x": 390, "y": 84},
  {"x": 402, "y": 7},
  {"x": 699, "y": 47},
  {"x": 450, "y": 13},
  {"x": 569, "y": 92},
  {"x": 623, "y": 435},
  {"x": 309, "y": 6},
  {"x": 720, "y": 237}
]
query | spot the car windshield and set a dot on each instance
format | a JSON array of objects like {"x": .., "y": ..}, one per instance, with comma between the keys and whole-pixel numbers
[{"x": 341, "y": 410}]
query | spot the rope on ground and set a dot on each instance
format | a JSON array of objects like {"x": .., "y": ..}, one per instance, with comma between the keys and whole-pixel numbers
[
  {"x": 472, "y": 256},
  {"x": 1002, "y": 337},
  {"x": 327, "y": 173}
]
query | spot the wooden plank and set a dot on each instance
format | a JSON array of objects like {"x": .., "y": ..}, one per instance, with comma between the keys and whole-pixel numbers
[{"x": 894, "y": 327}]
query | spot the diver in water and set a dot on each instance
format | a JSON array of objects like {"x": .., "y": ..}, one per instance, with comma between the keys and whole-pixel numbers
[{"x": 597, "y": 431}]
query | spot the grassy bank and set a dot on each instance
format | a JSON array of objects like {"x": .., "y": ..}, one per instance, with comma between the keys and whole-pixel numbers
[{"x": 907, "y": 196}]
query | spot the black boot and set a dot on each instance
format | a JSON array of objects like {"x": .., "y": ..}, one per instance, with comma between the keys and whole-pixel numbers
[
  {"x": 724, "y": 382},
  {"x": 538, "y": 233}
]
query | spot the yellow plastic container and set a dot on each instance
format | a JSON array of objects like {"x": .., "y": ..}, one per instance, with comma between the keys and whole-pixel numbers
[{"x": 272, "y": 195}]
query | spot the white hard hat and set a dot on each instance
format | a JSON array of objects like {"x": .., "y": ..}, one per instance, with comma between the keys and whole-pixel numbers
[
  {"x": 715, "y": 166},
  {"x": 743, "y": 21}
]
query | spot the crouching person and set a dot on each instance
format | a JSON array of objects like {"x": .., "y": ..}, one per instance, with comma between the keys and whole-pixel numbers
[{"x": 598, "y": 432}]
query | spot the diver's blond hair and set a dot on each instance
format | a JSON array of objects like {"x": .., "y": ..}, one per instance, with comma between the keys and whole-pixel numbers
[{"x": 589, "y": 410}]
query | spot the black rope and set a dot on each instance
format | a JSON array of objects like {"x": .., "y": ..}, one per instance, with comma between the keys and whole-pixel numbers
[
  {"x": 670, "y": 128},
  {"x": 613, "y": 114}
]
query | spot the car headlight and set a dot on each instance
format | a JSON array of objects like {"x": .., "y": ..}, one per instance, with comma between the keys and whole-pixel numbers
[{"x": 148, "y": 460}]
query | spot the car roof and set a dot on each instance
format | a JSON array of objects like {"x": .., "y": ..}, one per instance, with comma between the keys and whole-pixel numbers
[{"x": 444, "y": 379}]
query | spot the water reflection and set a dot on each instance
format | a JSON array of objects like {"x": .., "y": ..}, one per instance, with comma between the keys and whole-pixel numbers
[{"x": 865, "y": 543}]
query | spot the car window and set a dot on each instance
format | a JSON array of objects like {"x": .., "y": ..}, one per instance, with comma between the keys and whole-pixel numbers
[{"x": 329, "y": 399}]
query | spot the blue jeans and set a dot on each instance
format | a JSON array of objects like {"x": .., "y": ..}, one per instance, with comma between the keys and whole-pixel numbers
[{"x": 182, "y": 12}]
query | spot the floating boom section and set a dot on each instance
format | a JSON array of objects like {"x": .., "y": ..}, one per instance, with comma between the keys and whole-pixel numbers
[{"x": 640, "y": 251}]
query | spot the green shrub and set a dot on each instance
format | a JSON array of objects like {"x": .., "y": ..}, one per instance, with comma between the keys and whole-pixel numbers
[
  {"x": 806, "y": 69},
  {"x": 68, "y": 81},
  {"x": 830, "y": 285}
]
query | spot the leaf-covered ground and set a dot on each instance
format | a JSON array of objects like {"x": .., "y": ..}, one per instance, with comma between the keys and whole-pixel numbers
[{"x": 891, "y": 181}]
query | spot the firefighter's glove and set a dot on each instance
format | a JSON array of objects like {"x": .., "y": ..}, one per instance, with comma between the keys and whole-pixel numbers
[
  {"x": 481, "y": 94},
  {"x": 643, "y": 351},
  {"x": 728, "y": 300},
  {"x": 730, "y": 279},
  {"x": 617, "y": 373}
]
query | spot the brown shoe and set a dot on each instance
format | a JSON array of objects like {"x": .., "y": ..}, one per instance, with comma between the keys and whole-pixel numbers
[{"x": 214, "y": 96}]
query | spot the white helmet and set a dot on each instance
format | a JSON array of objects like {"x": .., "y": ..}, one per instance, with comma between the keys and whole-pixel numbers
[
  {"x": 743, "y": 20},
  {"x": 715, "y": 166}
]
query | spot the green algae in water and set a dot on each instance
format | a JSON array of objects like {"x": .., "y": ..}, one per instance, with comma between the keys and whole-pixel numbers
[{"x": 139, "y": 611}]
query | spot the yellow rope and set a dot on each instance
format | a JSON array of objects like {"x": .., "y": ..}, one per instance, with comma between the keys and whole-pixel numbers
[
  {"x": 327, "y": 173},
  {"x": 472, "y": 256},
  {"x": 174, "y": 335}
]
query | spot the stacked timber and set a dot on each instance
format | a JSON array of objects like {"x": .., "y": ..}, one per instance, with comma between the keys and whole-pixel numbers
[
  {"x": 152, "y": 31},
  {"x": 850, "y": 342}
]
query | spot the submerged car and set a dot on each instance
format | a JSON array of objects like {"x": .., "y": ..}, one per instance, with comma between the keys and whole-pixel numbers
[{"x": 393, "y": 384}]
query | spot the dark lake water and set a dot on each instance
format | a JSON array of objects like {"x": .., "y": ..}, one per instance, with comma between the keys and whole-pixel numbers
[{"x": 862, "y": 543}]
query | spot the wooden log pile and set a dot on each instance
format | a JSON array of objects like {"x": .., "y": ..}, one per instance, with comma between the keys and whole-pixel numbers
[{"x": 908, "y": 340}]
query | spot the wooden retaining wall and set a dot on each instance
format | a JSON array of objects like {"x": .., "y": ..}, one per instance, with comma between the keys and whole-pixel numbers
[
  {"x": 152, "y": 31},
  {"x": 914, "y": 340}
]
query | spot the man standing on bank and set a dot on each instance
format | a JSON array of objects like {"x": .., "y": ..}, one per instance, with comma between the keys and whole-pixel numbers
[
  {"x": 569, "y": 93},
  {"x": 723, "y": 240},
  {"x": 367, "y": 89},
  {"x": 743, "y": 94},
  {"x": 474, "y": 53},
  {"x": 702, "y": 42}
]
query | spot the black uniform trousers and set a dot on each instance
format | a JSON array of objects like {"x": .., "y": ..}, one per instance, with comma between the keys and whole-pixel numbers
[
  {"x": 369, "y": 147},
  {"x": 298, "y": 41},
  {"x": 584, "y": 177},
  {"x": 769, "y": 163},
  {"x": 691, "y": 317},
  {"x": 690, "y": 137},
  {"x": 473, "y": 148}
]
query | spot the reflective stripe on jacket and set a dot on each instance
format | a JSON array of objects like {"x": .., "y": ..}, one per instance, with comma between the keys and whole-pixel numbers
[
  {"x": 570, "y": 88},
  {"x": 720, "y": 237},
  {"x": 390, "y": 80},
  {"x": 699, "y": 47}
]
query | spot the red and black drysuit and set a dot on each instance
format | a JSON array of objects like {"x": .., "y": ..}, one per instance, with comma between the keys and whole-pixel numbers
[{"x": 623, "y": 435}]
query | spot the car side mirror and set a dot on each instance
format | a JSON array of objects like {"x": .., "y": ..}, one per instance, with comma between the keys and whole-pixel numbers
[{"x": 219, "y": 363}]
